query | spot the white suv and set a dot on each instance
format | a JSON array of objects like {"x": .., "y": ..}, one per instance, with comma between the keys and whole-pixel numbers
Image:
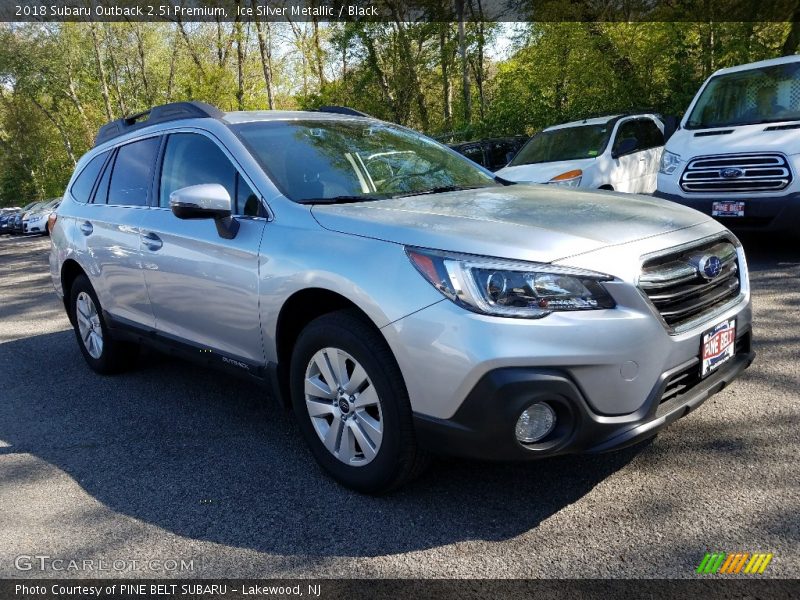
[
  {"x": 401, "y": 297},
  {"x": 620, "y": 152}
]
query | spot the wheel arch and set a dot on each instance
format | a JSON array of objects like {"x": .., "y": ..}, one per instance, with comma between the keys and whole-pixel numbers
[
  {"x": 297, "y": 312},
  {"x": 70, "y": 271}
]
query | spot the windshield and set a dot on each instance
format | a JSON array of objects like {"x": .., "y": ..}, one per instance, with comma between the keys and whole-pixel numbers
[
  {"x": 355, "y": 160},
  {"x": 746, "y": 97},
  {"x": 565, "y": 143}
]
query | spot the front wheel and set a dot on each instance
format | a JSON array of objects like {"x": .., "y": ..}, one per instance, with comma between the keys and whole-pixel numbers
[
  {"x": 102, "y": 352},
  {"x": 352, "y": 405}
]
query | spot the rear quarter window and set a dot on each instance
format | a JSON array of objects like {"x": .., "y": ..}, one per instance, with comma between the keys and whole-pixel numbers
[{"x": 82, "y": 187}]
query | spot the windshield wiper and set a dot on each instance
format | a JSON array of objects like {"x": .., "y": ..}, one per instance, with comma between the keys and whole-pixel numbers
[
  {"x": 440, "y": 190},
  {"x": 340, "y": 199}
]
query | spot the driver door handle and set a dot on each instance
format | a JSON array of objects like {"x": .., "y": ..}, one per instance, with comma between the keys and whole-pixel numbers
[{"x": 152, "y": 241}]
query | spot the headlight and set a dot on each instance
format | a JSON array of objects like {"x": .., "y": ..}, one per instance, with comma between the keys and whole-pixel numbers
[
  {"x": 669, "y": 162},
  {"x": 569, "y": 179},
  {"x": 507, "y": 288}
]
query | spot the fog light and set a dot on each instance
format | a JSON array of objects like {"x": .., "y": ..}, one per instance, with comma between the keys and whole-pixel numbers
[{"x": 535, "y": 423}]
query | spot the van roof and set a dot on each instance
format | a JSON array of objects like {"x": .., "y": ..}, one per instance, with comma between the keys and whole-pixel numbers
[{"x": 760, "y": 64}]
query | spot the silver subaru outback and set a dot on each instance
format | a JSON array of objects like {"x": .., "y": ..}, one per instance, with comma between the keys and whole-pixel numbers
[{"x": 402, "y": 299}]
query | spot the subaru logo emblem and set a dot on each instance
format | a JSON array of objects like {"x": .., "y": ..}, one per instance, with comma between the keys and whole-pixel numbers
[
  {"x": 731, "y": 173},
  {"x": 710, "y": 267}
]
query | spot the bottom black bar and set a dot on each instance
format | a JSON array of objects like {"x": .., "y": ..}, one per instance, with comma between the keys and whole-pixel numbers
[{"x": 708, "y": 587}]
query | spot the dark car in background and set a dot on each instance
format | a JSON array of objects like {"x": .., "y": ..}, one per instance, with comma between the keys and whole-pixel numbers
[
  {"x": 11, "y": 221},
  {"x": 494, "y": 153},
  {"x": 5, "y": 217}
]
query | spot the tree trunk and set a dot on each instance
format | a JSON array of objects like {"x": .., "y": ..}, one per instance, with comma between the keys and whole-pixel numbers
[
  {"x": 101, "y": 71},
  {"x": 265, "y": 48},
  {"x": 444, "y": 58},
  {"x": 171, "y": 78},
  {"x": 793, "y": 37},
  {"x": 462, "y": 50},
  {"x": 318, "y": 54},
  {"x": 72, "y": 94},
  {"x": 115, "y": 76},
  {"x": 142, "y": 65},
  {"x": 374, "y": 64},
  {"x": 62, "y": 132},
  {"x": 192, "y": 53},
  {"x": 239, "y": 62},
  {"x": 409, "y": 66}
]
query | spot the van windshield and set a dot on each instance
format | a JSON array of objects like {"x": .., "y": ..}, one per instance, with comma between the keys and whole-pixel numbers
[
  {"x": 565, "y": 143},
  {"x": 329, "y": 161},
  {"x": 764, "y": 95}
]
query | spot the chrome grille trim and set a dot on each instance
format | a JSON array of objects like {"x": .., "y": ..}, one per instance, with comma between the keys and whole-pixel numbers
[
  {"x": 680, "y": 294},
  {"x": 762, "y": 172}
]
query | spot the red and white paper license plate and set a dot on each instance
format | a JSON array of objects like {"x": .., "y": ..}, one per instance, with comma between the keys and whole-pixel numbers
[
  {"x": 727, "y": 209},
  {"x": 717, "y": 346}
]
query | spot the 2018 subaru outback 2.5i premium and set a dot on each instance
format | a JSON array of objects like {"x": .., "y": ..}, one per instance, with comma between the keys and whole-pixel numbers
[{"x": 399, "y": 296}]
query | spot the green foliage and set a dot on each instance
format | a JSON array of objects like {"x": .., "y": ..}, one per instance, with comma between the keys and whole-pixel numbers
[{"x": 60, "y": 82}]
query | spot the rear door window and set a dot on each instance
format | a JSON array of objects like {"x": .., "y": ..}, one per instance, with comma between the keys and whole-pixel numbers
[
  {"x": 650, "y": 135},
  {"x": 133, "y": 172},
  {"x": 629, "y": 129}
]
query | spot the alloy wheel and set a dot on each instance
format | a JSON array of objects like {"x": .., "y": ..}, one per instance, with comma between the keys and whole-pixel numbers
[
  {"x": 344, "y": 406},
  {"x": 89, "y": 325}
]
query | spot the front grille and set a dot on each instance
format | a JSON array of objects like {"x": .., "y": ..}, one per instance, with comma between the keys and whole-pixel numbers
[
  {"x": 686, "y": 288},
  {"x": 737, "y": 173}
]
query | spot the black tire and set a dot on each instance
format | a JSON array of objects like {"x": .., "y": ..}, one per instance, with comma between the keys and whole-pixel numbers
[
  {"x": 398, "y": 459},
  {"x": 117, "y": 355}
]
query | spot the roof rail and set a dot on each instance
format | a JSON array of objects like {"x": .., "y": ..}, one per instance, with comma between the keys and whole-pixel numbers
[
  {"x": 342, "y": 110},
  {"x": 157, "y": 114}
]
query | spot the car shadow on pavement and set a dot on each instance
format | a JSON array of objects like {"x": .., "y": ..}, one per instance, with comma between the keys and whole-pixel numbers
[{"x": 212, "y": 458}]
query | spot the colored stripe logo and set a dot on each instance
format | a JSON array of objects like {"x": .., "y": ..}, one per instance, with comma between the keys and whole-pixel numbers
[{"x": 733, "y": 564}]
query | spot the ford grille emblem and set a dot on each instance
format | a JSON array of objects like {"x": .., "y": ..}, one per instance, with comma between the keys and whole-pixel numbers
[
  {"x": 710, "y": 267},
  {"x": 731, "y": 173}
]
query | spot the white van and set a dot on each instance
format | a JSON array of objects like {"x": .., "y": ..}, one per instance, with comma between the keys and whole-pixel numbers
[
  {"x": 736, "y": 155},
  {"x": 617, "y": 152}
]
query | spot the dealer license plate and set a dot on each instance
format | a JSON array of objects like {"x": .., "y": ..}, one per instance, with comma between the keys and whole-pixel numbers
[
  {"x": 717, "y": 347},
  {"x": 727, "y": 209}
]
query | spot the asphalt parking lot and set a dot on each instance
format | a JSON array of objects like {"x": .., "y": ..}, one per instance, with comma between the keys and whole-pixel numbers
[{"x": 172, "y": 462}]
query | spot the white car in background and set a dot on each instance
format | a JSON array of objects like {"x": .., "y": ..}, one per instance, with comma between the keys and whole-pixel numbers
[
  {"x": 35, "y": 220},
  {"x": 618, "y": 152}
]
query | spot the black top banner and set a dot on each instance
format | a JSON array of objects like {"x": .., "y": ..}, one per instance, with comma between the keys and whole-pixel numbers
[{"x": 401, "y": 10}]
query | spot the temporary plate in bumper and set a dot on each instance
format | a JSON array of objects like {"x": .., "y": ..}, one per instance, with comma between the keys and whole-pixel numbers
[
  {"x": 727, "y": 209},
  {"x": 717, "y": 346}
]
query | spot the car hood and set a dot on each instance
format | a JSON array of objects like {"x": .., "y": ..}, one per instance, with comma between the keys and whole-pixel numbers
[
  {"x": 543, "y": 172},
  {"x": 743, "y": 138},
  {"x": 523, "y": 222}
]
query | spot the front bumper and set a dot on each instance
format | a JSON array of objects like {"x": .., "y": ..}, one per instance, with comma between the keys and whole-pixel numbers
[
  {"x": 762, "y": 213},
  {"x": 483, "y": 427},
  {"x": 33, "y": 227}
]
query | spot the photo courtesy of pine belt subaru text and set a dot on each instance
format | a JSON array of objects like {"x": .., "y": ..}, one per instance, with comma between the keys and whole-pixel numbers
[{"x": 403, "y": 300}]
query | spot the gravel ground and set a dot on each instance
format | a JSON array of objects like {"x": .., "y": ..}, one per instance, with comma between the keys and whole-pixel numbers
[{"x": 171, "y": 461}]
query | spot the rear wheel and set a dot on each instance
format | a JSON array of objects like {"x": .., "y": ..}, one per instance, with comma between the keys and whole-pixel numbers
[
  {"x": 352, "y": 405},
  {"x": 102, "y": 352}
]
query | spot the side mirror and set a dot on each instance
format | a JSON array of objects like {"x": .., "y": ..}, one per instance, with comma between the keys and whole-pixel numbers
[
  {"x": 206, "y": 201},
  {"x": 626, "y": 146}
]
